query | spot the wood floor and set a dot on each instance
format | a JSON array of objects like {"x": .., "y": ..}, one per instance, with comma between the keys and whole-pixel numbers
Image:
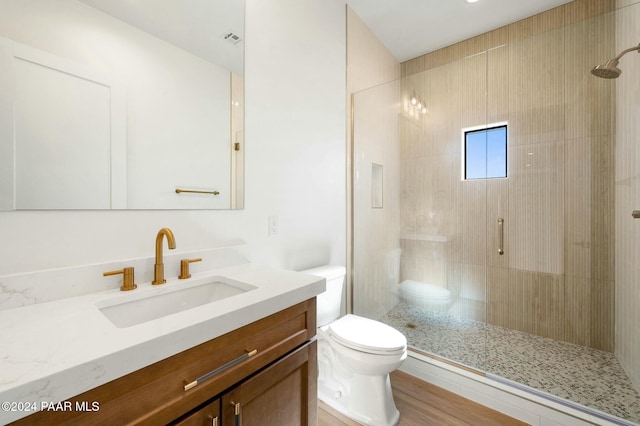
[{"x": 423, "y": 404}]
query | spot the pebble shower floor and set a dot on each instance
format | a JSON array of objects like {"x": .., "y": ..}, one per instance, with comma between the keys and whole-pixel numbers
[{"x": 582, "y": 375}]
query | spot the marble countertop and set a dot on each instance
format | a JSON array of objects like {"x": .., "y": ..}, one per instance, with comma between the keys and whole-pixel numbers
[{"x": 54, "y": 350}]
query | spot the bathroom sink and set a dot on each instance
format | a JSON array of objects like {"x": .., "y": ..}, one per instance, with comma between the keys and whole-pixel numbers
[{"x": 129, "y": 311}]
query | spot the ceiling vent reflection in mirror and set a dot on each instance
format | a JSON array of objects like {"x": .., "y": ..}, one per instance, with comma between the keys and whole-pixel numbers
[{"x": 232, "y": 37}]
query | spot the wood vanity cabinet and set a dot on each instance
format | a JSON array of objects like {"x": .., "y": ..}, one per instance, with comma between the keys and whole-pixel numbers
[
  {"x": 281, "y": 395},
  {"x": 207, "y": 415},
  {"x": 274, "y": 387}
]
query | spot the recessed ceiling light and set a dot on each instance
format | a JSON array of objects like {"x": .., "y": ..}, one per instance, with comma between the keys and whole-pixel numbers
[{"x": 471, "y": 1}]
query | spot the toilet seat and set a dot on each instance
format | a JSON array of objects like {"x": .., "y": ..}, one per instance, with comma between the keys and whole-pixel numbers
[{"x": 366, "y": 335}]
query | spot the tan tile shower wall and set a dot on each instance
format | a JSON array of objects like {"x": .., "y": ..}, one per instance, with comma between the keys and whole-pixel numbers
[{"x": 556, "y": 278}]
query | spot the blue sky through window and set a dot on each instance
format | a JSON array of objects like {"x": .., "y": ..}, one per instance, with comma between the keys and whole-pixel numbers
[{"x": 486, "y": 153}]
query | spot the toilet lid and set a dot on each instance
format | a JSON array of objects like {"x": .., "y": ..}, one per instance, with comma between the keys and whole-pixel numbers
[{"x": 366, "y": 335}]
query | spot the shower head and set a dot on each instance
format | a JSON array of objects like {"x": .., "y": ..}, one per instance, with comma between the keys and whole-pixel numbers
[{"x": 610, "y": 69}]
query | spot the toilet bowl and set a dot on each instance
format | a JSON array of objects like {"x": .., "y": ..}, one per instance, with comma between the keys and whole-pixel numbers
[
  {"x": 355, "y": 357},
  {"x": 425, "y": 295}
]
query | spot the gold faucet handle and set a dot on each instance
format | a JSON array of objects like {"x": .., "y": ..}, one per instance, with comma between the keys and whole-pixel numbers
[
  {"x": 184, "y": 267},
  {"x": 127, "y": 278}
]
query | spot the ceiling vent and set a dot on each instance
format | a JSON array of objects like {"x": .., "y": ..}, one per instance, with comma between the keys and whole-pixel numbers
[{"x": 232, "y": 37}]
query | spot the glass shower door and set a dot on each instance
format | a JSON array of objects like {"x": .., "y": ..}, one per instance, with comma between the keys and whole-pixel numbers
[
  {"x": 512, "y": 276},
  {"x": 419, "y": 259}
]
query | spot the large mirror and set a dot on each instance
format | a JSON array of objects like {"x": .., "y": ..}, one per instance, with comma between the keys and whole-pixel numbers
[{"x": 121, "y": 104}]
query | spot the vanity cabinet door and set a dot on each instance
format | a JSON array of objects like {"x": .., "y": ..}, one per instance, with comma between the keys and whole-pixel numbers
[
  {"x": 282, "y": 394},
  {"x": 209, "y": 415}
]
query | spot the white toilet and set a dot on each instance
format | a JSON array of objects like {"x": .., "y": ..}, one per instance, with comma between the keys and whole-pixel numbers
[{"x": 355, "y": 357}]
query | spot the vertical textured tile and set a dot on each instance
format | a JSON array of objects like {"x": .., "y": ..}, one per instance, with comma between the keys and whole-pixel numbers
[
  {"x": 536, "y": 102},
  {"x": 444, "y": 56},
  {"x": 557, "y": 276},
  {"x": 602, "y": 199},
  {"x": 536, "y": 208},
  {"x": 602, "y": 315},
  {"x": 580, "y": 10},
  {"x": 445, "y": 110},
  {"x": 454, "y": 279},
  {"x": 474, "y": 90},
  {"x": 413, "y": 66},
  {"x": 544, "y": 22},
  {"x": 578, "y": 206},
  {"x": 473, "y": 292},
  {"x": 498, "y": 300},
  {"x": 475, "y": 45},
  {"x": 498, "y": 208},
  {"x": 577, "y": 318},
  {"x": 474, "y": 208},
  {"x": 498, "y": 84},
  {"x": 589, "y": 100},
  {"x": 602, "y": 247},
  {"x": 498, "y": 37}
]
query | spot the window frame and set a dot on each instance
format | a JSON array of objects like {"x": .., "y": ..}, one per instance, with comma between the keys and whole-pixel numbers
[{"x": 475, "y": 129}]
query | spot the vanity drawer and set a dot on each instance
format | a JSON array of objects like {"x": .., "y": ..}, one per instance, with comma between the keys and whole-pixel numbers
[{"x": 156, "y": 394}]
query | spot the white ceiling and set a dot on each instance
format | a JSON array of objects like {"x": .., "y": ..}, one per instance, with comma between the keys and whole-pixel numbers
[
  {"x": 410, "y": 28},
  {"x": 197, "y": 26}
]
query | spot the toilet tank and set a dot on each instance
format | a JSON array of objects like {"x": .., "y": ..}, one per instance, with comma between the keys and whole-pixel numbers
[{"x": 330, "y": 301}]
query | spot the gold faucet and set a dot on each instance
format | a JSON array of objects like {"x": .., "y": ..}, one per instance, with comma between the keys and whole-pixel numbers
[{"x": 158, "y": 271}]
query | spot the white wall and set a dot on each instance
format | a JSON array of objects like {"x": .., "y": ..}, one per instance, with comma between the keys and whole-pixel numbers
[{"x": 295, "y": 161}]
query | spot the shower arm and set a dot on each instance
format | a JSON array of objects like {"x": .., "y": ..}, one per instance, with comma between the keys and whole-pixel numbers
[{"x": 624, "y": 52}]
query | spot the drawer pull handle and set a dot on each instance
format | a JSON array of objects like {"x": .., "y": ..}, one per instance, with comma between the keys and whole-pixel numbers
[{"x": 220, "y": 369}]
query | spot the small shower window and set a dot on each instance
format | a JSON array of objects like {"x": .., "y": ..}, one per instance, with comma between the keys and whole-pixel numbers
[{"x": 485, "y": 152}]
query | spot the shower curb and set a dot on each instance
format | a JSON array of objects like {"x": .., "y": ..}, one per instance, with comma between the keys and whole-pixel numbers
[{"x": 518, "y": 401}]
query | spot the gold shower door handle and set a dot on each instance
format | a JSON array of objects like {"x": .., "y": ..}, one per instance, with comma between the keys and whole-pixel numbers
[{"x": 501, "y": 236}]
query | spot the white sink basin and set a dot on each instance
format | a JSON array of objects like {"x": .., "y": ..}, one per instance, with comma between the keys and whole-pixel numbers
[{"x": 131, "y": 310}]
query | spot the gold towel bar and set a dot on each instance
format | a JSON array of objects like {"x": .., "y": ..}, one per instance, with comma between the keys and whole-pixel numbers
[{"x": 178, "y": 190}]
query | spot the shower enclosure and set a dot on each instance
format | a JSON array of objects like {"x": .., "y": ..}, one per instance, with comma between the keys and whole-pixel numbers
[{"x": 502, "y": 173}]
